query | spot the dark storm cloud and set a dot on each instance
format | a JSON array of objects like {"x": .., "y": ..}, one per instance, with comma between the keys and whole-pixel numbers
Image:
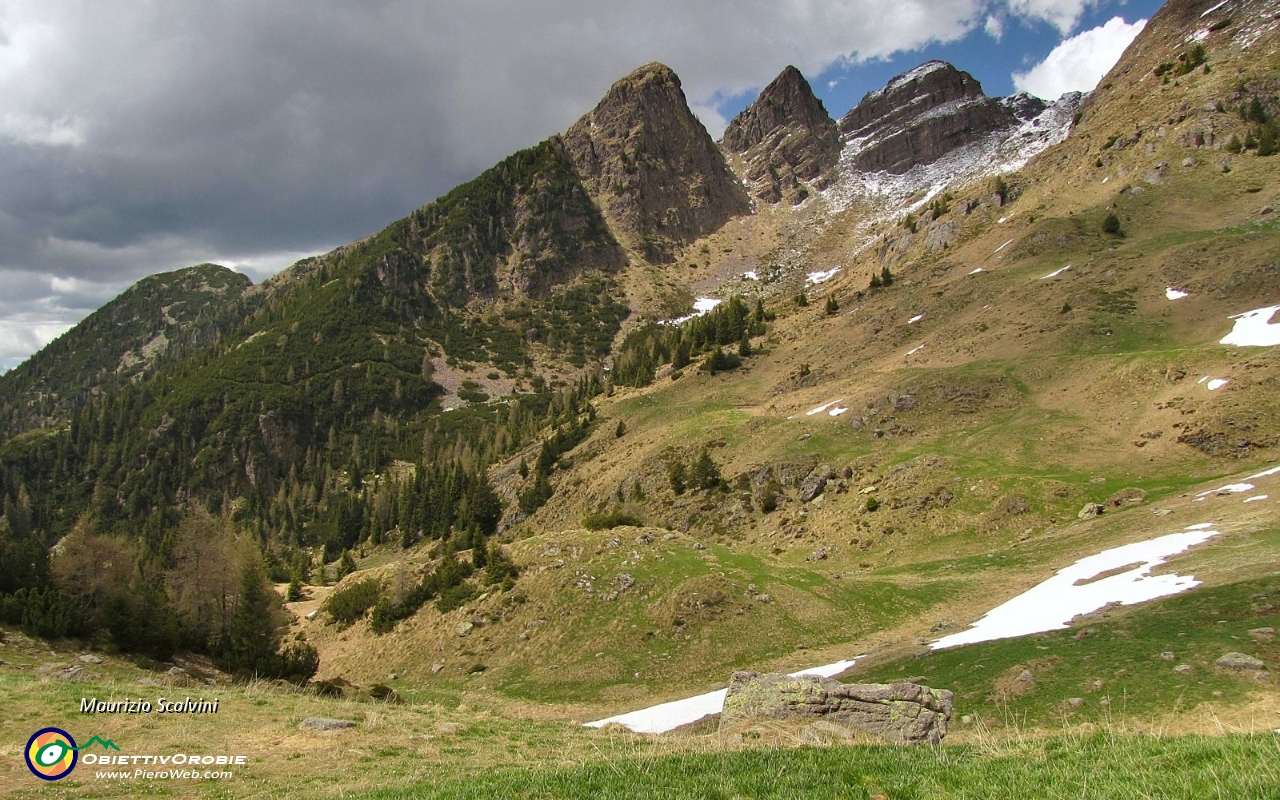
[{"x": 142, "y": 137}]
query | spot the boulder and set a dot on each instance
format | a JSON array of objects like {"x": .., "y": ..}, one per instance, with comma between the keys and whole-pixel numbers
[
  {"x": 326, "y": 724},
  {"x": 1240, "y": 661},
  {"x": 902, "y": 712},
  {"x": 1091, "y": 510},
  {"x": 811, "y": 487}
]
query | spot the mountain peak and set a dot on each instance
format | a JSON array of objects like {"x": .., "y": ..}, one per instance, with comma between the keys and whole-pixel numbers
[
  {"x": 921, "y": 115},
  {"x": 651, "y": 165},
  {"x": 786, "y": 137}
]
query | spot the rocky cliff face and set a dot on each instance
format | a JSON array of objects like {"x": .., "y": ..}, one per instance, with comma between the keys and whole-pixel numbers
[
  {"x": 786, "y": 139},
  {"x": 922, "y": 115},
  {"x": 652, "y": 167}
]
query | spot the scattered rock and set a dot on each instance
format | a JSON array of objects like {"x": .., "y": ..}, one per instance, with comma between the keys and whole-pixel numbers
[
  {"x": 436, "y": 668},
  {"x": 464, "y": 628},
  {"x": 1182, "y": 669},
  {"x": 175, "y": 671},
  {"x": 326, "y": 724},
  {"x": 764, "y": 598},
  {"x": 312, "y": 614},
  {"x": 450, "y": 728},
  {"x": 1091, "y": 510},
  {"x": 903, "y": 712},
  {"x": 1263, "y": 633},
  {"x": 906, "y": 402},
  {"x": 811, "y": 487},
  {"x": 1239, "y": 661},
  {"x": 89, "y": 658},
  {"x": 1168, "y": 656},
  {"x": 1075, "y": 702},
  {"x": 1026, "y": 677},
  {"x": 386, "y": 694},
  {"x": 818, "y": 555},
  {"x": 1163, "y": 512}
]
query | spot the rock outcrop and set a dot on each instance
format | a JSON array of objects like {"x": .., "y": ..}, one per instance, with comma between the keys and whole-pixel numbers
[
  {"x": 786, "y": 139},
  {"x": 903, "y": 712},
  {"x": 922, "y": 115},
  {"x": 652, "y": 167}
]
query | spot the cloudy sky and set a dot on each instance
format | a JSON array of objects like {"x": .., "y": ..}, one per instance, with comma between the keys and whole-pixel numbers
[{"x": 138, "y": 137}]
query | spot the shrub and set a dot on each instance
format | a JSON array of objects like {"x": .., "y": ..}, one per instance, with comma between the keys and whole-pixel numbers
[
  {"x": 349, "y": 603},
  {"x": 1111, "y": 224}
]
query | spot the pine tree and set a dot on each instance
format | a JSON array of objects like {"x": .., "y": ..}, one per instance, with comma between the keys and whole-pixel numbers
[
  {"x": 254, "y": 635},
  {"x": 832, "y": 305}
]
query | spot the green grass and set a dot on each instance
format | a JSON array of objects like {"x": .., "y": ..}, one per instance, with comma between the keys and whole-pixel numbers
[
  {"x": 1067, "y": 767},
  {"x": 1121, "y": 650}
]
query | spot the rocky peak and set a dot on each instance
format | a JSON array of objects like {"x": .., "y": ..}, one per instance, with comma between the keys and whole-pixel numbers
[
  {"x": 652, "y": 167},
  {"x": 920, "y": 116},
  {"x": 786, "y": 138}
]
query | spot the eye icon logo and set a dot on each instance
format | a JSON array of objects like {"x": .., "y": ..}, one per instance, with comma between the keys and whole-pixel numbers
[{"x": 51, "y": 754}]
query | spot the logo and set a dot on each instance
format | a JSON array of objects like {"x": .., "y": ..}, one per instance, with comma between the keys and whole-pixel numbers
[{"x": 51, "y": 754}]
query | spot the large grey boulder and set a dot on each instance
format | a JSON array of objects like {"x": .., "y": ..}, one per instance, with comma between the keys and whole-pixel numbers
[{"x": 903, "y": 712}]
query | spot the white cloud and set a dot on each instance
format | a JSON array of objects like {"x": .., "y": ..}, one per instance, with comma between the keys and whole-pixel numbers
[
  {"x": 1078, "y": 63},
  {"x": 994, "y": 26},
  {"x": 1061, "y": 14}
]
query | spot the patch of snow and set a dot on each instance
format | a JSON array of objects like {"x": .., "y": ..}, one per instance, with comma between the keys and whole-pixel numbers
[
  {"x": 1254, "y": 329},
  {"x": 1217, "y": 383},
  {"x": 701, "y": 306},
  {"x": 1002, "y": 220},
  {"x": 837, "y": 411},
  {"x": 751, "y": 275},
  {"x": 915, "y": 319},
  {"x": 1255, "y": 498},
  {"x": 1202, "y": 380},
  {"x": 821, "y": 408},
  {"x": 1003, "y": 246},
  {"x": 1230, "y": 488},
  {"x": 668, "y": 716},
  {"x": 1213, "y": 9},
  {"x": 1055, "y": 273},
  {"x": 814, "y": 278},
  {"x": 1171, "y": 293},
  {"x": 1263, "y": 474},
  {"x": 976, "y": 271},
  {"x": 915, "y": 350},
  {"x": 1199, "y": 36},
  {"x": 1071, "y": 592}
]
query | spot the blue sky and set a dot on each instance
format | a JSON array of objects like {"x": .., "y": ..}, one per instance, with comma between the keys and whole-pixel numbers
[
  {"x": 138, "y": 138},
  {"x": 1021, "y": 45}
]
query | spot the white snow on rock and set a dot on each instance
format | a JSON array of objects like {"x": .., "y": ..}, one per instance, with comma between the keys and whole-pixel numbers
[
  {"x": 915, "y": 350},
  {"x": 1071, "y": 592},
  {"x": 1214, "y": 8},
  {"x": 701, "y": 306},
  {"x": 976, "y": 271},
  {"x": 1055, "y": 273},
  {"x": 837, "y": 411},
  {"x": 1217, "y": 383},
  {"x": 814, "y": 278},
  {"x": 822, "y": 408},
  {"x": 1171, "y": 293},
  {"x": 1006, "y": 244},
  {"x": 915, "y": 319},
  {"x": 1255, "y": 498},
  {"x": 998, "y": 153},
  {"x": 668, "y": 716},
  {"x": 1254, "y": 329}
]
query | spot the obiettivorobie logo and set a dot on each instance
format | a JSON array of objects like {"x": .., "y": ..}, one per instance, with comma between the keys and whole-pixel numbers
[{"x": 51, "y": 753}]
